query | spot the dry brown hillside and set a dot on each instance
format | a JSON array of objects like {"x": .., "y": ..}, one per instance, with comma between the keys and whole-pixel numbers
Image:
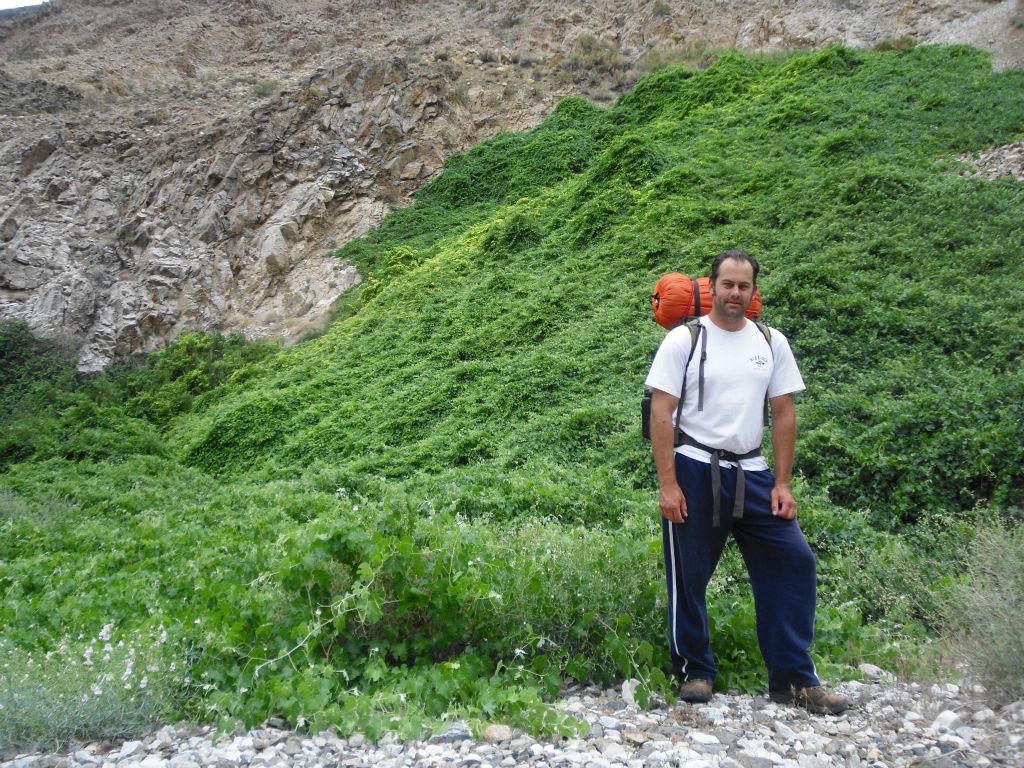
[{"x": 167, "y": 165}]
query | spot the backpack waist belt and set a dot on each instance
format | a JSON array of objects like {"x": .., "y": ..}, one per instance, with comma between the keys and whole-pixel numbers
[{"x": 716, "y": 476}]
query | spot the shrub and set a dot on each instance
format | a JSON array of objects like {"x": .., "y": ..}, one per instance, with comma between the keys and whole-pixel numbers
[
  {"x": 904, "y": 43},
  {"x": 182, "y": 372},
  {"x": 591, "y": 60},
  {"x": 509, "y": 20},
  {"x": 264, "y": 88},
  {"x": 110, "y": 687},
  {"x": 29, "y": 366},
  {"x": 983, "y": 615}
]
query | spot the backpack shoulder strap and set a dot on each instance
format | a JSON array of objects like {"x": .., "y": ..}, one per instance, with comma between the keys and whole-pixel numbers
[
  {"x": 767, "y": 333},
  {"x": 696, "y": 329}
]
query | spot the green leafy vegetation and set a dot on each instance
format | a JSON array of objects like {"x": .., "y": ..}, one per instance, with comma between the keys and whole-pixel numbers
[{"x": 442, "y": 506}]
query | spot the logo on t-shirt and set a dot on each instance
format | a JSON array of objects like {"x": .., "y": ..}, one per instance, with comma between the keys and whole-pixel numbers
[{"x": 759, "y": 361}]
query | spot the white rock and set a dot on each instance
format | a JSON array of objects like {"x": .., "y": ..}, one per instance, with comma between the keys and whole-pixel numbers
[
  {"x": 629, "y": 691},
  {"x": 129, "y": 749},
  {"x": 784, "y": 731},
  {"x": 954, "y": 741},
  {"x": 613, "y": 751},
  {"x": 983, "y": 715},
  {"x": 634, "y": 737},
  {"x": 497, "y": 733},
  {"x": 946, "y": 720},
  {"x": 967, "y": 733},
  {"x": 699, "y": 737},
  {"x": 876, "y": 674}
]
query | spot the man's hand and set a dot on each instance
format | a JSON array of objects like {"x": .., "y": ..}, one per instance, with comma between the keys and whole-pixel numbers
[
  {"x": 672, "y": 503},
  {"x": 783, "y": 503}
]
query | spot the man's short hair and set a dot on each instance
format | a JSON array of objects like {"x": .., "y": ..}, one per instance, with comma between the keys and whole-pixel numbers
[{"x": 738, "y": 255}]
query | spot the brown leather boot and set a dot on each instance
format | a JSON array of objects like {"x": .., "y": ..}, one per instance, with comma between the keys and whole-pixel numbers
[
  {"x": 695, "y": 691},
  {"x": 814, "y": 699}
]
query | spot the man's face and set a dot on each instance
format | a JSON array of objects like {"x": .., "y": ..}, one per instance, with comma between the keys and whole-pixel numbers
[{"x": 733, "y": 288}]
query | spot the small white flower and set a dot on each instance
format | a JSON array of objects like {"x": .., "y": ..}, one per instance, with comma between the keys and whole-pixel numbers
[
  {"x": 97, "y": 691},
  {"x": 105, "y": 632},
  {"x": 143, "y": 683}
]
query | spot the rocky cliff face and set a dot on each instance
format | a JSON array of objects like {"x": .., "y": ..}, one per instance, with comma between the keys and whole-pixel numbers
[
  {"x": 171, "y": 165},
  {"x": 124, "y": 229}
]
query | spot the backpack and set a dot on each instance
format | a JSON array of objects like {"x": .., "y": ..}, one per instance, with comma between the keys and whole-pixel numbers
[
  {"x": 680, "y": 300},
  {"x": 677, "y": 298}
]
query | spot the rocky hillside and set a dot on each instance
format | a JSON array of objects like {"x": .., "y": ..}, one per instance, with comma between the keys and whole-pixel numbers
[{"x": 170, "y": 165}]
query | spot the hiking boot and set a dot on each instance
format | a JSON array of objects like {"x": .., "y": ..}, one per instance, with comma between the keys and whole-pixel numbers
[
  {"x": 814, "y": 699},
  {"x": 695, "y": 691}
]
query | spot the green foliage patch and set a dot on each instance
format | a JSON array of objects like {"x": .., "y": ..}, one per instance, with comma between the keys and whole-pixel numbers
[{"x": 442, "y": 507}]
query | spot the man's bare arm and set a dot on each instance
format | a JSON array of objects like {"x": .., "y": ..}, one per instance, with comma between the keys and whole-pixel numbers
[
  {"x": 784, "y": 448},
  {"x": 671, "y": 501}
]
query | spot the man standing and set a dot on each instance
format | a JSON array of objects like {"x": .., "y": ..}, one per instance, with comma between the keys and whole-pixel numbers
[{"x": 713, "y": 480}]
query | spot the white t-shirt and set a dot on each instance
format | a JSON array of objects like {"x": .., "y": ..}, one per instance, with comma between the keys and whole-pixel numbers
[{"x": 739, "y": 369}]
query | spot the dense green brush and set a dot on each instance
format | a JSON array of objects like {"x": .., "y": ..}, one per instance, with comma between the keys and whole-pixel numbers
[{"x": 351, "y": 515}]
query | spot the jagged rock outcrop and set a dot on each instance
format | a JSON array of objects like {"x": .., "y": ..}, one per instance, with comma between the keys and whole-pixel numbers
[
  {"x": 126, "y": 231},
  {"x": 170, "y": 165}
]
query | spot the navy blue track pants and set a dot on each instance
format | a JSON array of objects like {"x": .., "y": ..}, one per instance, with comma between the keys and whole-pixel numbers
[{"x": 778, "y": 559}]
